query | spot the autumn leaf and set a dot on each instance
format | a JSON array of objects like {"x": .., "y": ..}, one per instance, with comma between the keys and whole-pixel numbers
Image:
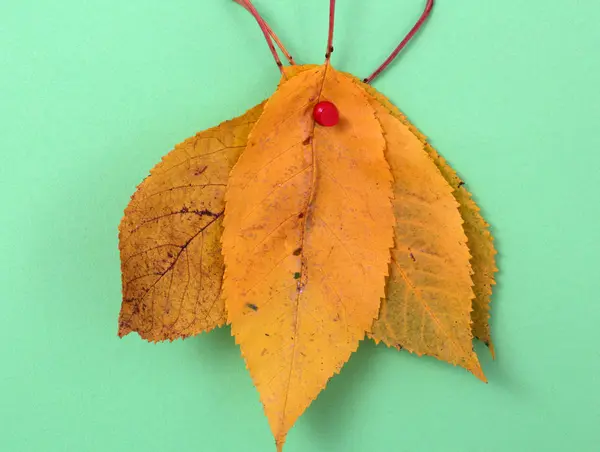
[
  {"x": 427, "y": 306},
  {"x": 479, "y": 238},
  {"x": 307, "y": 237},
  {"x": 481, "y": 246},
  {"x": 170, "y": 236}
]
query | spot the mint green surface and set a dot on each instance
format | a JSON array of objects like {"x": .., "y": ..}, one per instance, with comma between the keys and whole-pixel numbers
[{"x": 93, "y": 93}]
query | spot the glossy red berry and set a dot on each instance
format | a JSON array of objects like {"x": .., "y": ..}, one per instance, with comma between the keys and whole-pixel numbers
[{"x": 326, "y": 114}]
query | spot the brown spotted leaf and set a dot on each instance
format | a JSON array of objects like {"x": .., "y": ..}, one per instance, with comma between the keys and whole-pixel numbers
[{"x": 169, "y": 238}]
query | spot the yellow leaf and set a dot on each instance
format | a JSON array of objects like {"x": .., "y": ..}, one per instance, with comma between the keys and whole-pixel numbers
[
  {"x": 479, "y": 239},
  {"x": 169, "y": 238},
  {"x": 307, "y": 237},
  {"x": 427, "y": 308},
  {"x": 481, "y": 246}
]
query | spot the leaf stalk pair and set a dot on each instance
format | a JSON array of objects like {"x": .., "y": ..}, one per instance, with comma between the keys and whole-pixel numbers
[{"x": 272, "y": 38}]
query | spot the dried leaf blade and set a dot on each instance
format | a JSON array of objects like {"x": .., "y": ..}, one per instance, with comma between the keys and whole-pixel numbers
[
  {"x": 308, "y": 228},
  {"x": 169, "y": 237}
]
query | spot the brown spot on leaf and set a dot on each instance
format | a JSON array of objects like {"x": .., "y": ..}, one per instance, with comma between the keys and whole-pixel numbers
[{"x": 200, "y": 171}]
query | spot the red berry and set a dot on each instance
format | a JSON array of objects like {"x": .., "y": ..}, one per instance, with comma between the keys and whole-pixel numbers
[{"x": 326, "y": 114}]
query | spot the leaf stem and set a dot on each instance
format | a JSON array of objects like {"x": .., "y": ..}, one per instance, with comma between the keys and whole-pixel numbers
[
  {"x": 270, "y": 35},
  {"x": 329, "y": 50},
  {"x": 407, "y": 38},
  {"x": 261, "y": 23},
  {"x": 280, "y": 45}
]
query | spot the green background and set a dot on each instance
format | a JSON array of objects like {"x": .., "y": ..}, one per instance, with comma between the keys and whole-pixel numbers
[{"x": 93, "y": 93}]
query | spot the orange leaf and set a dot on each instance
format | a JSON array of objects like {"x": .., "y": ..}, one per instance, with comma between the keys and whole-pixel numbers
[
  {"x": 307, "y": 237},
  {"x": 170, "y": 237}
]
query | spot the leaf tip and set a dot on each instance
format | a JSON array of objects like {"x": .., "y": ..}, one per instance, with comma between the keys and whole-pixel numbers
[
  {"x": 279, "y": 442},
  {"x": 124, "y": 330},
  {"x": 490, "y": 347},
  {"x": 478, "y": 372}
]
